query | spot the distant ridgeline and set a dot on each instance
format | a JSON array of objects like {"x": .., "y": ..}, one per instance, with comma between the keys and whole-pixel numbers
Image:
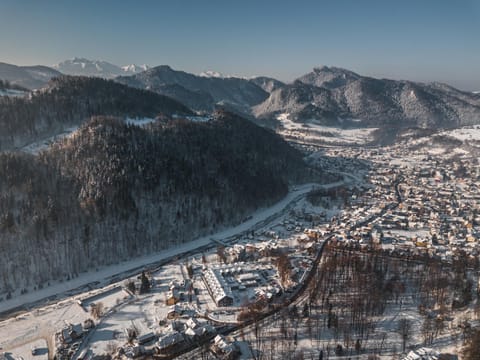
[
  {"x": 335, "y": 96},
  {"x": 69, "y": 100},
  {"x": 114, "y": 191}
]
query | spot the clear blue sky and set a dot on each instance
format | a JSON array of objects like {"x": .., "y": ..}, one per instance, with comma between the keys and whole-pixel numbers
[{"x": 422, "y": 40}]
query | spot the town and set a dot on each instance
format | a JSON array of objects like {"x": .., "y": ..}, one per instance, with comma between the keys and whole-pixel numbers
[{"x": 405, "y": 212}]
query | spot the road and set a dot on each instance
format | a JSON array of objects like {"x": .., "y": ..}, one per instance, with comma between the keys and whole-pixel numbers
[
  {"x": 63, "y": 301},
  {"x": 107, "y": 275}
]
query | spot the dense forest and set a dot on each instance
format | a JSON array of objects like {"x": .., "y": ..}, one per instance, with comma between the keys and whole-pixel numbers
[
  {"x": 69, "y": 100},
  {"x": 112, "y": 191}
]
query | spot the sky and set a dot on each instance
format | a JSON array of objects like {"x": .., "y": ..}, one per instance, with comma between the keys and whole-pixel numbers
[{"x": 420, "y": 40}]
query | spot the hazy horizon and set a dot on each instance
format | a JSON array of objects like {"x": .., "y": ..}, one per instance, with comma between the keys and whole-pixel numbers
[{"x": 419, "y": 41}]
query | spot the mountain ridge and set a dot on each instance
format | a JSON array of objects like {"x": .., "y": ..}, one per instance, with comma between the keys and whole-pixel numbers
[
  {"x": 78, "y": 66},
  {"x": 68, "y": 101},
  {"x": 238, "y": 93},
  {"x": 30, "y": 77},
  {"x": 327, "y": 94},
  {"x": 376, "y": 102}
]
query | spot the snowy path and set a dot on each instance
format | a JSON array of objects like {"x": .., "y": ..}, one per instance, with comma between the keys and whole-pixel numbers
[{"x": 104, "y": 275}]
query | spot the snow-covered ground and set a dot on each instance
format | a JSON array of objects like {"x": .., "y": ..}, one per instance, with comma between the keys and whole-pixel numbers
[
  {"x": 21, "y": 331},
  {"x": 124, "y": 310},
  {"x": 311, "y": 132},
  {"x": 12, "y": 92},
  {"x": 420, "y": 233},
  {"x": 25, "y": 352},
  {"x": 464, "y": 133},
  {"x": 438, "y": 143},
  {"x": 199, "y": 118},
  {"x": 109, "y": 299},
  {"x": 38, "y": 146},
  {"x": 139, "y": 121}
]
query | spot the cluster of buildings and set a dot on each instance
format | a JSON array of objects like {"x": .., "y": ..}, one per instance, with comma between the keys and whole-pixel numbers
[
  {"x": 228, "y": 284},
  {"x": 175, "y": 338},
  {"x": 179, "y": 291},
  {"x": 180, "y": 335},
  {"x": 429, "y": 205},
  {"x": 68, "y": 340},
  {"x": 224, "y": 348}
]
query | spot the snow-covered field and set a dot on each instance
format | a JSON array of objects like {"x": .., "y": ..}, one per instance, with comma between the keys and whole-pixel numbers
[
  {"x": 22, "y": 330},
  {"x": 109, "y": 299},
  {"x": 443, "y": 142},
  {"x": 12, "y": 92},
  {"x": 312, "y": 132},
  {"x": 464, "y": 133},
  {"x": 25, "y": 352}
]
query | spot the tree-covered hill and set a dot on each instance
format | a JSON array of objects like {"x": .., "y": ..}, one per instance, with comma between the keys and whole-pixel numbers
[
  {"x": 70, "y": 100},
  {"x": 113, "y": 191}
]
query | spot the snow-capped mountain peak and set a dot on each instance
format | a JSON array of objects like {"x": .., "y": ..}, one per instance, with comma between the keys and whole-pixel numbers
[
  {"x": 133, "y": 68},
  {"x": 212, "y": 74},
  {"x": 99, "y": 68}
]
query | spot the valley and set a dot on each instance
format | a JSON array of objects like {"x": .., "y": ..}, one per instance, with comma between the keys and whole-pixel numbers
[
  {"x": 249, "y": 180},
  {"x": 161, "y": 214},
  {"x": 375, "y": 217}
]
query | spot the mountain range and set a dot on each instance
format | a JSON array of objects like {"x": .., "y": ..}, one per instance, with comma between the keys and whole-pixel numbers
[
  {"x": 200, "y": 93},
  {"x": 335, "y": 96},
  {"x": 98, "y": 68},
  {"x": 326, "y": 95}
]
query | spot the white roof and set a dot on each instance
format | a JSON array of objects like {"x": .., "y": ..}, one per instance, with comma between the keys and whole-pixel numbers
[
  {"x": 422, "y": 354},
  {"x": 217, "y": 284}
]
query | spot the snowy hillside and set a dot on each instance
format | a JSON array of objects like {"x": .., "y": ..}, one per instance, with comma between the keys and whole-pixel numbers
[
  {"x": 313, "y": 133},
  {"x": 329, "y": 94}
]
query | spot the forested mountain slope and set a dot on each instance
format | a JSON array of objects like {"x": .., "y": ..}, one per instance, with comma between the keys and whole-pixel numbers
[
  {"x": 69, "y": 101},
  {"x": 113, "y": 191}
]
